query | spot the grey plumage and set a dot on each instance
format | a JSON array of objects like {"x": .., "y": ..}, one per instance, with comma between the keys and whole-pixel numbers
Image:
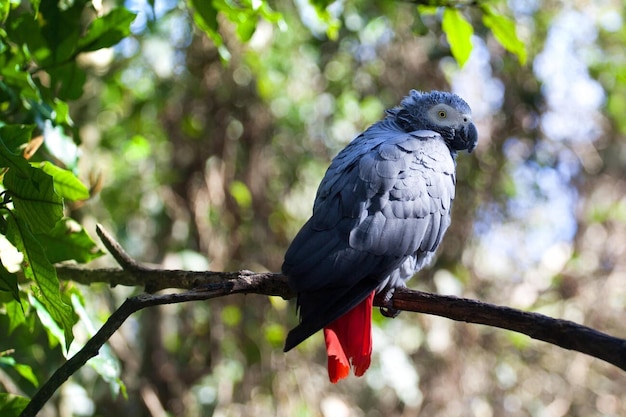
[{"x": 380, "y": 211}]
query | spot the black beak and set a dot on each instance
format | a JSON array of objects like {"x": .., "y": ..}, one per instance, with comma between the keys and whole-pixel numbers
[
  {"x": 471, "y": 136},
  {"x": 465, "y": 138}
]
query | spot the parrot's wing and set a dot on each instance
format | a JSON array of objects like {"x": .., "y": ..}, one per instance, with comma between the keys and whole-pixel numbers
[{"x": 385, "y": 197}]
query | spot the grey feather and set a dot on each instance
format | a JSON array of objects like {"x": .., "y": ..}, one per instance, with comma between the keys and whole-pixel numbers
[{"x": 380, "y": 211}]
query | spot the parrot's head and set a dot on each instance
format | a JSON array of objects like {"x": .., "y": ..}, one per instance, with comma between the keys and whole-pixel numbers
[{"x": 442, "y": 112}]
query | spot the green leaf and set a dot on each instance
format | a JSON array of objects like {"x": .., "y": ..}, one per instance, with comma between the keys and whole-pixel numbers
[
  {"x": 69, "y": 241},
  {"x": 246, "y": 26},
  {"x": 65, "y": 46},
  {"x": 264, "y": 9},
  {"x": 37, "y": 268},
  {"x": 22, "y": 81},
  {"x": 503, "y": 30},
  {"x": 61, "y": 112},
  {"x": 14, "y": 137},
  {"x": 65, "y": 182},
  {"x": 68, "y": 80},
  {"x": 321, "y": 4},
  {"x": 34, "y": 198},
  {"x": 241, "y": 194},
  {"x": 459, "y": 34},
  {"x": 26, "y": 31},
  {"x": 24, "y": 370},
  {"x": 15, "y": 313},
  {"x": 61, "y": 26},
  {"x": 35, "y": 5},
  {"x": 27, "y": 373},
  {"x": 8, "y": 159},
  {"x": 107, "y": 30},
  {"x": 53, "y": 330},
  {"x": 427, "y": 10},
  {"x": 8, "y": 282},
  {"x": 12, "y": 405},
  {"x": 205, "y": 17},
  {"x": 5, "y": 8}
]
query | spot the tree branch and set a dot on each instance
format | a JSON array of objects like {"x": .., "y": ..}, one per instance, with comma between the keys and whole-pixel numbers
[
  {"x": 154, "y": 280},
  {"x": 207, "y": 285},
  {"x": 562, "y": 333}
]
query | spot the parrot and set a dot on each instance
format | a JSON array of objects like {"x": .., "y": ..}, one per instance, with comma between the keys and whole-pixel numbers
[{"x": 379, "y": 215}]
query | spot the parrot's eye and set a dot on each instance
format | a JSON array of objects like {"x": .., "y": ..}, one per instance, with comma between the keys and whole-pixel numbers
[{"x": 442, "y": 114}]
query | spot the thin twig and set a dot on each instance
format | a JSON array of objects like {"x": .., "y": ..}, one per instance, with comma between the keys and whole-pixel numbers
[{"x": 121, "y": 257}]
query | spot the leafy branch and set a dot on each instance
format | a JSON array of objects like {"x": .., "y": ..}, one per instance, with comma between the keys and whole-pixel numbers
[
  {"x": 459, "y": 30},
  {"x": 207, "y": 285}
]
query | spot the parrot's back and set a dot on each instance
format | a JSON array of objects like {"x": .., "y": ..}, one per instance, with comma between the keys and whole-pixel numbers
[{"x": 379, "y": 215}]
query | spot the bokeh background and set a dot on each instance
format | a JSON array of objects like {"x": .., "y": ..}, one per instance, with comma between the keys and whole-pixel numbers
[{"x": 210, "y": 158}]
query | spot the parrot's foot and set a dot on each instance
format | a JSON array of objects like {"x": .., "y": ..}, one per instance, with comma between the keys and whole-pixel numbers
[{"x": 387, "y": 310}]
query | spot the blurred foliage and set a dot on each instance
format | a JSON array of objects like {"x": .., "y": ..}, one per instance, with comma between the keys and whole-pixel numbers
[{"x": 203, "y": 129}]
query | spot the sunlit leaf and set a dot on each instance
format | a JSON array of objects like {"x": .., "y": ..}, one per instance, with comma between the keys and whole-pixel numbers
[
  {"x": 22, "y": 81},
  {"x": 34, "y": 198},
  {"x": 241, "y": 194},
  {"x": 107, "y": 30},
  {"x": 519, "y": 340},
  {"x": 137, "y": 148},
  {"x": 231, "y": 315},
  {"x": 24, "y": 370},
  {"x": 270, "y": 15},
  {"x": 66, "y": 184},
  {"x": 15, "y": 314},
  {"x": 427, "y": 10},
  {"x": 321, "y": 4},
  {"x": 503, "y": 30},
  {"x": 205, "y": 16},
  {"x": 61, "y": 112},
  {"x": 246, "y": 28},
  {"x": 27, "y": 373},
  {"x": 25, "y": 30},
  {"x": 37, "y": 268},
  {"x": 459, "y": 34},
  {"x": 55, "y": 333},
  {"x": 274, "y": 334},
  {"x": 8, "y": 159},
  {"x": 12, "y": 405},
  {"x": 14, "y": 136},
  {"x": 35, "y": 4},
  {"x": 69, "y": 241},
  {"x": 5, "y": 8}
]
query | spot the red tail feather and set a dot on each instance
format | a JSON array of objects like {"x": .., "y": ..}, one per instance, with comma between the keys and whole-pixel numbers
[{"x": 349, "y": 340}]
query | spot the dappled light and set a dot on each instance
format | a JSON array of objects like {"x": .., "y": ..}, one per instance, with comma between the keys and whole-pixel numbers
[{"x": 201, "y": 144}]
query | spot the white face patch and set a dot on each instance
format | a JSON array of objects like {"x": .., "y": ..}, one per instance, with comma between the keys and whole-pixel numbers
[{"x": 446, "y": 116}]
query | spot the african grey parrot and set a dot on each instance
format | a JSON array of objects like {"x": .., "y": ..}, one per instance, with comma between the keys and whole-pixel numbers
[{"x": 379, "y": 215}]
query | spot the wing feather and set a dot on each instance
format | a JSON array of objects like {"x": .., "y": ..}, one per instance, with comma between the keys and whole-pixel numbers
[{"x": 384, "y": 200}]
